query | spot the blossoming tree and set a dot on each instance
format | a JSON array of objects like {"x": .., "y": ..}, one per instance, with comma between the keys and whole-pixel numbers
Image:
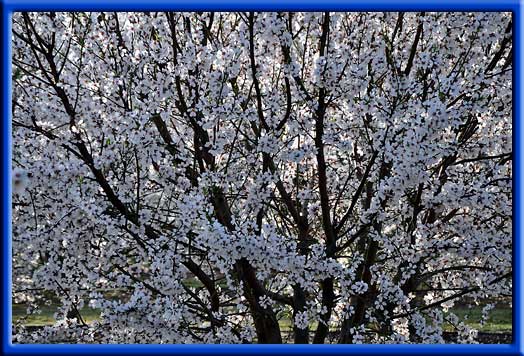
[{"x": 216, "y": 177}]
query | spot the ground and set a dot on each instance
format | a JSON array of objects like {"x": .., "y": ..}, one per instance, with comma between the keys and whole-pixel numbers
[{"x": 499, "y": 321}]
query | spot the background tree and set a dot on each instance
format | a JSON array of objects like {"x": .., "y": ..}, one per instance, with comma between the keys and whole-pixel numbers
[{"x": 350, "y": 172}]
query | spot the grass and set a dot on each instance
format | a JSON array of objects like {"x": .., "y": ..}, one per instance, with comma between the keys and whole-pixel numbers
[
  {"x": 499, "y": 320},
  {"x": 46, "y": 317}
]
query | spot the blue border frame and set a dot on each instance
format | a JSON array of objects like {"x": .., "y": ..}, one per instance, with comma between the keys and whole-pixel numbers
[{"x": 515, "y": 6}]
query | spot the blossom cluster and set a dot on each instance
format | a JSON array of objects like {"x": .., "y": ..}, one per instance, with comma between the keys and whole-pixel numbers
[{"x": 208, "y": 177}]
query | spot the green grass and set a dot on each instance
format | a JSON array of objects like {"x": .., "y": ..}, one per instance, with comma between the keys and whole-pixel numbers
[
  {"x": 499, "y": 320},
  {"x": 46, "y": 317}
]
